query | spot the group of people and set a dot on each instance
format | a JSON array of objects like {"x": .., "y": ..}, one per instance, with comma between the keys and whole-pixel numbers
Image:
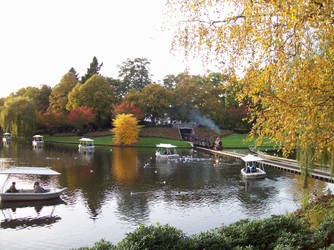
[
  {"x": 37, "y": 188},
  {"x": 250, "y": 169}
]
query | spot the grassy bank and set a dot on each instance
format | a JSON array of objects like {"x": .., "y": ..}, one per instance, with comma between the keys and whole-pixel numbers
[
  {"x": 108, "y": 141},
  {"x": 243, "y": 141}
]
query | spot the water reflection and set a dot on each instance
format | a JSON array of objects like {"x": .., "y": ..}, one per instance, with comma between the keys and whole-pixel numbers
[
  {"x": 111, "y": 191},
  {"x": 15, "y": 219}
]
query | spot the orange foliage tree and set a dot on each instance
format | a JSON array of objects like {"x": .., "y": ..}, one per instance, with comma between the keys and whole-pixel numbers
[
  {"x": 51, "y": 119},
  {"x": 126, "y": 129}
]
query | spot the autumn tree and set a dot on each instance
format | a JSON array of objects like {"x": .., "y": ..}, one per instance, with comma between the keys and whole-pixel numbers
[
  {"x": 94, "y": 68},
  {"x": 97, "y": 93},
  {"x": 286, "y": 48},
  {"x": 126, "y": 129},
  {"x": 58, "y": 97},
  {"x": 128, "y": 108},
  {"x": 18, "y": 115},
  {"x": 80, "y": 117},
  {"x": 51, "y": 120}
]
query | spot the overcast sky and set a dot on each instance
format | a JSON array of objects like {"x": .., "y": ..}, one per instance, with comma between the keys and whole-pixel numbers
[{"x": 42, "y": 39}]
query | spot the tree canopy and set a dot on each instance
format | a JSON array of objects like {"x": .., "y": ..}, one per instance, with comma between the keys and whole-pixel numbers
[
  {"x": 286, "y": 50},
  {"x": 94, "y": 68},
  {"x": 97, "y": 93},
  {"x": 126, "y": 129}
]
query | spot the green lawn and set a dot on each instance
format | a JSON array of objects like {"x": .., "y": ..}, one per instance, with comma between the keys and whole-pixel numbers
[
  {"x": 107, "y": 140},
  {"x": 239, "y": 141}
]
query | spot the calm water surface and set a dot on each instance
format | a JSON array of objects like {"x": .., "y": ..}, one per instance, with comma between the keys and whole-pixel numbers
[{"x": 113, "y": 190}]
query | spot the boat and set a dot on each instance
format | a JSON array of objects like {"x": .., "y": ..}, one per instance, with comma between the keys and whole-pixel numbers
[
  {"x": 166, "y": 151},
  {"x": 37, "y": 141},
  {"x": 253, "y": 167},
  {"x": 7, "y": 137},
  {"x": 86, "y": 145},
  {"x": 29, "y": 194}
]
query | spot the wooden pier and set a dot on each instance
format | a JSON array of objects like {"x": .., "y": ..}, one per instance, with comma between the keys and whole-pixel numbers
[{"x": 279, "y": 163}]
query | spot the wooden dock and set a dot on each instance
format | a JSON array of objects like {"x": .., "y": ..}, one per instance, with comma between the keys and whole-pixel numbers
[{"x": 279, "y": 163}]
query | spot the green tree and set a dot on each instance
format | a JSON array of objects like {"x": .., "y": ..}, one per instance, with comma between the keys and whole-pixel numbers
[
  {"x": 97, "y": 93},
  {"x": 29, "y": 92},
  {"x": 154, "y": 100},
  {"x": 94, "y": 68},
  {"x": 135, "y": 74},
  {"x": 18, "y": 115},
  {"x": 42, "y": 98},
  {"x": 74, "y": 72},
  {"x": 58, "y": 97},
  {"x": 119, "y": 88}
]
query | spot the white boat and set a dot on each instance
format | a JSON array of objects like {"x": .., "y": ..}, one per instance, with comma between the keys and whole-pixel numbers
[
  {"x": 253, "y": 167},
  {"x": 166, "y": 151},
  {"x": 86, "y": 145},
  {"x": 7, "y": 137},
  {"x": 37, "y": 141},
  {"x": 29, "y": 194}
]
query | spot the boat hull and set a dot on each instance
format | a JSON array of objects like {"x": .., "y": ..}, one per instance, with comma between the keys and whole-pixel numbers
[
  {"x": 31, "y": 196},
  {"x": 166, "y": 157},
  {"x": 259, "y": 174},
  {"x": 86, "y": 148}
]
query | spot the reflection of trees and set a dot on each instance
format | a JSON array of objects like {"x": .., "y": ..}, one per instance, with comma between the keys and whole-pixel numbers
[
  {"x": 131, "y": 205},
  {"x": 124, "y": 167},
  {"x": 315, "y": 187}
]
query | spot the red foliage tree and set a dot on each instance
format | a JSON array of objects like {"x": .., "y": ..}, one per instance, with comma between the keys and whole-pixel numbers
[
  {"x": 128, "y": 108},
  {"x": 79, "y": 117},
  {"x": 51, "y": 120}
]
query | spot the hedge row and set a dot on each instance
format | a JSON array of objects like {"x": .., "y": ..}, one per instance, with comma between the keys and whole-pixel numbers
[{"x": 277, "y": 232}]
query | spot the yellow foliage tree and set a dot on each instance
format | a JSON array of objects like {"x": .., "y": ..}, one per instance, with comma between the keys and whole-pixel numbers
[
  {"x": 126, "y": 129},
  {"x": 285, "y": 50}
]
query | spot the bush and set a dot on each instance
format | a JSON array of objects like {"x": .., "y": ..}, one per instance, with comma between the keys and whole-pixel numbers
[
  {"x": 153, "y": 237},
  {"x": 100, "y": 245}
]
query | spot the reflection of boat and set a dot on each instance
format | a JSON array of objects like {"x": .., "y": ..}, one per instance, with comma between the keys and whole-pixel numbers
[
  {"x": 29, "y": 221},
  {"x": 166, "y": 151},
  {"x": 37, "y": 141},
  {"x": 29, "y": 194},
  {"x": 251, "y": 170},
  {"x": 7, "y": 137},
  {"x": 86, "y": 145}
]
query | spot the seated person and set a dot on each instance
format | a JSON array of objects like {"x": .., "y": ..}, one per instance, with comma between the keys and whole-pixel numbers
[
  {"x": 38, "y": 188},
  {"x": 12, "y": 189}
]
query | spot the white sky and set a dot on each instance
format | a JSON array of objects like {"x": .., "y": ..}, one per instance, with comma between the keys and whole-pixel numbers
[{"x": 42, "y": 39}]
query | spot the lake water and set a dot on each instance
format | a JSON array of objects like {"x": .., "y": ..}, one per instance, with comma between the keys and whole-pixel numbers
[{"x": 113, "y": 190}]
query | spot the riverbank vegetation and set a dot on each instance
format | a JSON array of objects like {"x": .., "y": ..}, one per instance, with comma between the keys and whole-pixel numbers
[{"x": 294, "y": 231}]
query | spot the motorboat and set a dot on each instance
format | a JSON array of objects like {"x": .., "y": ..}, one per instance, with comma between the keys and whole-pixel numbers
[
  {"x": 166, "y": 151},
  {"x": 7, "y": 137},
  {"x": 253, "y": 167},
  {"x": 29, "y": 194},
  {"x": 86, "y": 145},
  {"x": 37, "y": 141}
]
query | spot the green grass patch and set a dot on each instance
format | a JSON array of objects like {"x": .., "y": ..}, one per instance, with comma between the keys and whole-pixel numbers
[
  {"x": 108, "y": 140},
  {"x": 242, "y": 141}
]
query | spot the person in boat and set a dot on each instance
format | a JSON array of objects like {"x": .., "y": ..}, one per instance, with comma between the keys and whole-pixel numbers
[
  {"x": 253, "y": 168},
  {"x": 12, "y": 188},
  {"x": 38, "y": 188}
]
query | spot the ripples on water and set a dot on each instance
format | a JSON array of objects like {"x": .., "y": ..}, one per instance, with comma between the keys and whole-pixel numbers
[{"x": 111, "y": 191}]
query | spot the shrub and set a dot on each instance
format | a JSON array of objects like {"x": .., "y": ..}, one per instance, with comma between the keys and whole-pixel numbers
[{"x": 153, "y": 237}]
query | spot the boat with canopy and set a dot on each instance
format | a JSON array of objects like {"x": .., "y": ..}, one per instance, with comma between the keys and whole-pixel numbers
[
  {"x": 166, "y": 151},
  {"x": 29, "y": 194},
  {"x": 86, "y": 145},
  {"x": 38, "y": 141},
  {"x": 253, "y": 167},
  {"x": 7, "y": 137}
]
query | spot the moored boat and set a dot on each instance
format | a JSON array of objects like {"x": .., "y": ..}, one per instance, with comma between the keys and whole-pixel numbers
[{"x": 29, "y": 194}]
